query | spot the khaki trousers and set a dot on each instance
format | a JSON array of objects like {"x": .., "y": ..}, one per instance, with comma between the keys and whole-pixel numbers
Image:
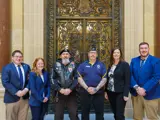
[
  {"x": 17, "y": 110},
  {"x": 141, "y": 105}
]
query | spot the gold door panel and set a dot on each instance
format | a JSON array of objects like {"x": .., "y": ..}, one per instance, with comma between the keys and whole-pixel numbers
[{"x": 80, "y": 35}]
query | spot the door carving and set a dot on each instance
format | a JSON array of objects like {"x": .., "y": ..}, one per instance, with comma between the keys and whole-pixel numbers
[
  {"x": 80, "y": 35},
  {"x": 81, "y": 24}
]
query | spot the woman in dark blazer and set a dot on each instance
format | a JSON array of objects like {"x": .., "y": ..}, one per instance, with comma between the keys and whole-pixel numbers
[
  {"x": 39, "y": 85},
  {"x": 118, "y": 82}
]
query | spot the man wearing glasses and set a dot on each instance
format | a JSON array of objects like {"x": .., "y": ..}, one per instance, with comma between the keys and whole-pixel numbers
[
  {"x": 92, "y": 78},
  {"x": 14, "y": 80}
]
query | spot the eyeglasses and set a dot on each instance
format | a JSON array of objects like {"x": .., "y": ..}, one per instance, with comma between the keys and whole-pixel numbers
[{"x": 18, "y": 56}]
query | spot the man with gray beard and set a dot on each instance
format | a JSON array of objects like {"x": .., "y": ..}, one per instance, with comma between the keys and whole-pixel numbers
[{"x": 64, "y": 80}]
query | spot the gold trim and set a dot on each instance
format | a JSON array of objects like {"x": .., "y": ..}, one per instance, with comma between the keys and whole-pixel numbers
[
  {"x": 79, "y": 74},
  {"x": 104, "y": 75}
]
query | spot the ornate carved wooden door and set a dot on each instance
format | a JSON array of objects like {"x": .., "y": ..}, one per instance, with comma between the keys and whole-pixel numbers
[{"x": 81, "y": 24}]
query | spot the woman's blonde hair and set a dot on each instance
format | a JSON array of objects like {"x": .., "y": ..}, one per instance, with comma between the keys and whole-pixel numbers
[{"x": 34, "y": 68}]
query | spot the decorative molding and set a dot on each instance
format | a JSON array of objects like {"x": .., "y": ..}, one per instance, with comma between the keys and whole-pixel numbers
[
  {"x": 83, "y": 8},
  {"x": 50, "y": 33},
  {"x": 116, "y": 23}
]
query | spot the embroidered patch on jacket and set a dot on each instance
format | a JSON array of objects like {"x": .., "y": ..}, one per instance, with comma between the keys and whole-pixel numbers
[
  {"x": 88, "y": 66},
  {"x": 98, "y": 66},
  {"x": 70, "y": 69}
]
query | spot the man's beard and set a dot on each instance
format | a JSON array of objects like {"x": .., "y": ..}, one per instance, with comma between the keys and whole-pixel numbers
[
  {"x": 65, "y": 61},
  {"x": 145, "y": 55}
]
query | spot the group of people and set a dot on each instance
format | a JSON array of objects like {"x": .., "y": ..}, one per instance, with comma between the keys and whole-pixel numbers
[
  {"x": 96, "y": 83},
  {"x": 18, "y": 80}
]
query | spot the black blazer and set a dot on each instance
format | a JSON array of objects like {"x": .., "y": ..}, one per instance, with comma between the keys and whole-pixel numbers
[{"x": 121, "y": 78}]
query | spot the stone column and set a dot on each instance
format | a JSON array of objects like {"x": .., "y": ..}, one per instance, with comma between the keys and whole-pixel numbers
[
  {"x": 157, "y": 32},
  {"x": 5, "y": 44},
  {"x": 4, "y": 32},
  {"x": 149, "y": 24},
  {"x": 33, "y": 30},
  {"x": 157, "y": 28},
  {"x": 17, "y": 25},
  {"x": 133, "y": 35}
]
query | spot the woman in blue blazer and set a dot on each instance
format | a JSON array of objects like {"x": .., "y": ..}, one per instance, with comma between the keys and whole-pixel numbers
[
  {"x": 39, "y": 86},
  {"x": 118, "y": 82}
]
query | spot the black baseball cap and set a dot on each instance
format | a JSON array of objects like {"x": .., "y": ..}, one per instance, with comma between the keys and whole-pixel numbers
[
  {"x": 64, "y": 50},
  {"x": 93, "y": 49}
]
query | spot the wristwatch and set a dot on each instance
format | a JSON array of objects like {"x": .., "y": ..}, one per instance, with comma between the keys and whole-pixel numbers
[
  {"x": 136, "y": 87},
  {"x": 95, "y": 90}
]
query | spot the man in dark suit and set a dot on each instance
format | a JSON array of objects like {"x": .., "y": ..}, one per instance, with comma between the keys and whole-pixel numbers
[{"x": 14, "y": 80}]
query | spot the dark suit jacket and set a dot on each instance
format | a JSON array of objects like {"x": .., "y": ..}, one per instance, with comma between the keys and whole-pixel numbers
[
  {"x": 121, "y": 78},
  {"x": 39, "y": 89},
  {"x": 11, "y": 82}
]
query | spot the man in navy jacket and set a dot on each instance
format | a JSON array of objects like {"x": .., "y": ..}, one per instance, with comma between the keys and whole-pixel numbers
[
  {"x": 92, "y": 78},
  {"x": 14, "y": 80},
  {"x": 145, "y": 87}
]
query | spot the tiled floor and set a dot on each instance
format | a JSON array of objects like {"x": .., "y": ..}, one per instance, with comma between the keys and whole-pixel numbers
[{"x": 92, "y": 117}]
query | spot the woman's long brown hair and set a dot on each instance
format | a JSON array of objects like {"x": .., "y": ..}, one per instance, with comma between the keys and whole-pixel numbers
[
  {"x": 34, "y": 68},
  {"x": 111, "y": 57}
]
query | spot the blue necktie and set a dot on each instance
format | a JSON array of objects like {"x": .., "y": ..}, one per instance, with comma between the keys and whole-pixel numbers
[
  {"x": 20, "y": 75},
  {"x": 142, "y": 63}
]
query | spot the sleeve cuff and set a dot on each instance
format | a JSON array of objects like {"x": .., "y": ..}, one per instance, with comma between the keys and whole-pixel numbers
[{"x": 135, "y": 87}]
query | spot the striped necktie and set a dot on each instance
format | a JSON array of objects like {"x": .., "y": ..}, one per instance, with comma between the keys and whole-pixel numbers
[{"x": 142, "y": 63}]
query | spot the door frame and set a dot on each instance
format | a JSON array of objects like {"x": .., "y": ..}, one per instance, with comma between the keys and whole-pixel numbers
[{"x": 50, "y": 33}]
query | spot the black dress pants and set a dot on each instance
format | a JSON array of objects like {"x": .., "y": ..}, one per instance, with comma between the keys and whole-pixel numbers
[
  {"x": 117, "y": 104},
  {"x": 98, "y": 103},
  {"x": 70, "y": 102}
]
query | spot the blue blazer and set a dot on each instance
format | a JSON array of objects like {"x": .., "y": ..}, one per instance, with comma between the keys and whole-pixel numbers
[
  {"x": 11, "y": 82},
  {"x": 38, "y": 88},
  {"x": 147, "y": 77}
]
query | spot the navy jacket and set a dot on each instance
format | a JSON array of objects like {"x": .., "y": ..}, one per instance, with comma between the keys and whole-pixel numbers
[
  {"x": 147, "y": 77},
  {"x": 92, "y": 74},
  {"x": 11, "y": 82},
  {"x": 38, "y": 88}
]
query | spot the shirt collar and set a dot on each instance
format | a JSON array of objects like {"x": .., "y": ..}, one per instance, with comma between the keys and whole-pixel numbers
[
  {"x": 144, "y": 59},
  {"x": 92, "y": 63},
  {"x": 16, "y": 65}
]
